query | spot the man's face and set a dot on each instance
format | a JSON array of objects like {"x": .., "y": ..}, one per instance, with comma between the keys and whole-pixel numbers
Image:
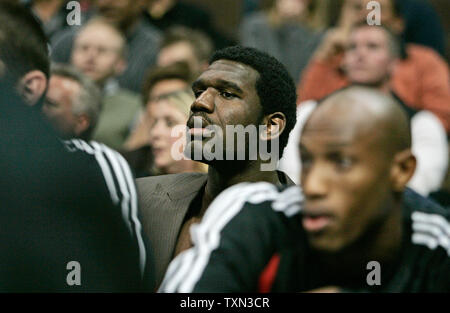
[
  {"x": 368, "y": 59},
  {"x": 225, "y": 95},
  {"x": 119, "y": 11},
  {"x": 345, "y": 179},
  {"x": 61, "y": 94},
  {"x": 97, "y": 52}
]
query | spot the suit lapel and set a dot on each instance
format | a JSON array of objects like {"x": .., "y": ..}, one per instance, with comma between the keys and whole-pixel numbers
[{"x": 170, "y": 204}]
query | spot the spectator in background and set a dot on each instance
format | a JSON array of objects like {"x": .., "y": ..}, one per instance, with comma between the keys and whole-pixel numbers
[
  {"x": 155, "y": 139},
  {"x": 369, "y": 60},
  {"x": 420, "y": 79},
  {"x": 72, "y": 104},
  {"x": 160, "y": 81},
  {"x": 164, "y": 14},
  {"x": 99, "y": 51},
  {"x": 184, "y": 44},
  {"x": 164, "y": 114},
  {"x": 142, "y": 39},
  {"x": 286, "y": 30},
  {"x": 420, "y": 23}
]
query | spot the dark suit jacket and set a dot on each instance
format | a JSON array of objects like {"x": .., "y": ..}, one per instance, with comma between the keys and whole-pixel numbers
[{"x": 163, "y": 203}]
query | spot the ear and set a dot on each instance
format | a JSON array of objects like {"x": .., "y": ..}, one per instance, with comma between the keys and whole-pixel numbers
[
  {"x": 120, "y": 66},
  {"x": 275, "y": 124},
  {"x": 404, "y": 165},
  {"x": 83, "y": 123},
  {"x": 32, "y": 86}
]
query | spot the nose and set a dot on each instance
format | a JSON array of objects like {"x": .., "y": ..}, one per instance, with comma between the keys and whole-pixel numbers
[
  {"x": 204, "y": 102},
  {"x": 314, "y": 182}
]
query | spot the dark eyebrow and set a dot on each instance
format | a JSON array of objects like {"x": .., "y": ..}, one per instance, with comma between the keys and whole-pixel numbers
[
  {"x": 218, "y": 84},
  {"x": 330, "y": 147},
  {"x": 198, "y": 84}
]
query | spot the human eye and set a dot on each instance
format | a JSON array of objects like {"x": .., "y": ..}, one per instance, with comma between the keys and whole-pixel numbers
[
  {"x": 306, "y": 161},
  {"x": 344, "y": 163},
  {"x": 170, "y": 122},
  {"x": 373, "y": 46},
  {"x": 227, "y": 95},
  {"x": 197, "y": 93}
]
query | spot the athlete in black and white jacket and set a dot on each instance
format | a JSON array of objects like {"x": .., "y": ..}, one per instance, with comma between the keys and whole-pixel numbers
[
  {"x": 252, "y": 240},
  {"x": 62, "y": 202}
]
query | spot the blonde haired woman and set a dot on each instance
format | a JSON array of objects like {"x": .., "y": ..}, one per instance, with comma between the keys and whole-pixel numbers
[{"x": 155, "y": 129}]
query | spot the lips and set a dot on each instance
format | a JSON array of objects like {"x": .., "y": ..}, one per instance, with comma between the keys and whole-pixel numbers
[
  {"x": 203, "y": 132},
  {"x": 194, "y": 130},
  {"x": 196, "y": 120},
  {"x": 316, "y": 221}
]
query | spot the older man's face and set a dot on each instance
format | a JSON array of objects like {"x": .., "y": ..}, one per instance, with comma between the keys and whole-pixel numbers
[
  {"x": 58, "y": 106},
  {"x": 97, "y": 52}
]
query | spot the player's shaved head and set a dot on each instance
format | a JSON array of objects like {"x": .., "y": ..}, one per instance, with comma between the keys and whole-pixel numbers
[
  {"x": 367, "y": 114},
  {"x": 356, "y": 162}
]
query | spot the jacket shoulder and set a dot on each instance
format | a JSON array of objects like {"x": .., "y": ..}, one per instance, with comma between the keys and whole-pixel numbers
[{"x": 149, "y": 184}]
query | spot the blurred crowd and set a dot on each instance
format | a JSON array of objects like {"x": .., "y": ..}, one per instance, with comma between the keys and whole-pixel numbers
[
  {"x": 130, "y": 48},
  {"x": 123, "y": 77}
]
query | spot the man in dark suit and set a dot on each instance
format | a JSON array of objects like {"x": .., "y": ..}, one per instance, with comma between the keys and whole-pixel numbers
[{"x": 242, "y": 86}]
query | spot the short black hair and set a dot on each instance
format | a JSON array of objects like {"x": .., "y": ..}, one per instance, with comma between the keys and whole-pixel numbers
[
  {"x": 275, "y": 87},
  {"x": 23, "y": 43}
]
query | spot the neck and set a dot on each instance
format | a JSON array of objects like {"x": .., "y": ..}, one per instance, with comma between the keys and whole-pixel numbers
[
  {"x": 224, "y": 174},
  {"x": 383, "y": 85}
]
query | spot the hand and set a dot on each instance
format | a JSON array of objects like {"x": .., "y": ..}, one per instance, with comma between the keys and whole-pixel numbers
[{"x": 334, "y": 43}]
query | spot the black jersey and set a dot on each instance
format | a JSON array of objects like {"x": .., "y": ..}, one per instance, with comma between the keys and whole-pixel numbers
[
  {"x": 251, "y": 239},
  {"x": 60, "y": 203}
]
